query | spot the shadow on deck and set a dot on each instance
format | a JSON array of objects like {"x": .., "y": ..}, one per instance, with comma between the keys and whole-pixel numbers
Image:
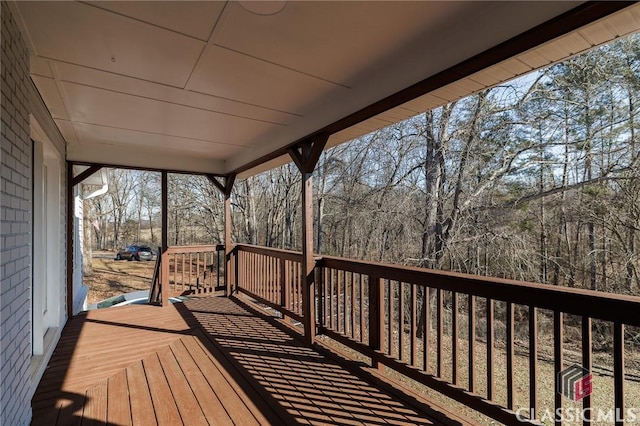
[{"x": 211, "y": 360}]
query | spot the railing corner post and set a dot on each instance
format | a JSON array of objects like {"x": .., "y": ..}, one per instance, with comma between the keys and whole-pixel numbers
[
  {"x": 231, "y": 269},
  {"x": 164, "y": 278},
  {"x": 308, "y": 300}
]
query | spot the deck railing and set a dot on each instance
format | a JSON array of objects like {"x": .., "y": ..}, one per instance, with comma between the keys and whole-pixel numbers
[
  {"x": 447, "y": 330},
  {"x": 273, "y": 277},
  {"x": 188, "y": 270}
]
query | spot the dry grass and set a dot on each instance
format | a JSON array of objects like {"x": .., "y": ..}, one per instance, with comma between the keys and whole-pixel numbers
[{"x": 112, "y": 277}]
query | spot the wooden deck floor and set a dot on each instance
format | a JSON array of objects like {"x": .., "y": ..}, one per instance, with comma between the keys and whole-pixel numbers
[{"x": 210, "y": 360}]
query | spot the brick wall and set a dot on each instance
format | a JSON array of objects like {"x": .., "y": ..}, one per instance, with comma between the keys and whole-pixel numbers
[{"x": 15, "y": 257}]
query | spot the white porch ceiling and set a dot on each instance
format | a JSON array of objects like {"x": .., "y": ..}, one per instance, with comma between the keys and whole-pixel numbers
[{"x": 212, "y": 86}]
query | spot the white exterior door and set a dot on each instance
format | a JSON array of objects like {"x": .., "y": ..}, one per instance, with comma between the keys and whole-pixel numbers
[{"x": 46, "y": 298}]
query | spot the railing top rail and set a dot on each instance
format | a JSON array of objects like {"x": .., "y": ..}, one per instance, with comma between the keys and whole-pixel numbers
[
  {"x": 192, "y": 249},
  {"x": 583, "y": 302},
  {"x": 267, "y": 251},
  {"x": 594, "y": 304}
]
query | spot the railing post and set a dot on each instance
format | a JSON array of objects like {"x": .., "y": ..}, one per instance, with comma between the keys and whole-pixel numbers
[
  {"x": 164, "y": 278},
  {"x": 236, "y": 268},
  {"x": 308, "y": 262},
  {"x": 218, "y": 262},
  {"x": 376, "y": 316},
  {"x": 285, "y": 297},
  {"x": 321, "y": 295},
  {"x": 231, "y": 269}
]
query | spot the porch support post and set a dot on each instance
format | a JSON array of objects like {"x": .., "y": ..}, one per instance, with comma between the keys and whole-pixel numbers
[
  {"x": 164, "y": 242},
  {"x": 231, "y": 260},
  {"x": 70, "y": 215},
  {"x": 306, "y": 158}
]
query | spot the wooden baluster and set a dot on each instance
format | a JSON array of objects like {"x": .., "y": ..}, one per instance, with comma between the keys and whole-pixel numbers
[
  {"x": 344, "y": 302},
  {"x": 401, "y": 314},
  {"x": 376, "y": 317},
  {"x": 490, "y": 345},
  {"x": 510, "y": 355},
  {"x": 182, "y": 256},
  {"x": 282, "y": 283},
  {"x": 352, "y": 307},
  {"x": 586, "y": 363},
  {"x": 558, "y": 341},
  {"x": 326, "y": 278},
  {"x": 413, "y": 324},
  {"x": 454, "y": 337},
  {"x": 472, "y": 342},
  {"x": 338, "y": 304},
  {"x": 198, "y": 272},
  {"x": 439, "y": 331},
  {"x": 533, "y": 360},
  {"x": 390, "y": 316},
  {"x": 427, "y": 328},
  {"x": 618, "y": 372},
  {"x": 361, "y": 308},
  {"x": 207, "y": 283},
  {"x": 190, "y": 270},
  {"x": 330, "y": 302},
  {"x": 274, "y": 281}
]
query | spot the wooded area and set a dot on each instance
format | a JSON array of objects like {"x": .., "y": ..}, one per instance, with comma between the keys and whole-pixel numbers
[{"x": 537, "y": 180}]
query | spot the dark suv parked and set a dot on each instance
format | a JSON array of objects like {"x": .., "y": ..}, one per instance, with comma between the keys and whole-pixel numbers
[{"x": 135, "y": 253}]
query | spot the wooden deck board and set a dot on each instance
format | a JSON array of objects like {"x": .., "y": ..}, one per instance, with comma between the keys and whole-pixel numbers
[
  {"x": 207, "y": 361},
  {"x": 186, "y": 401},
  {"x": 141, "y": 404},
  {"x": 206, "y": 397},
  {"x": 95, "y": 409},
  {"x": 118, "y": 404},
  {"x": 164, "y": 403}
]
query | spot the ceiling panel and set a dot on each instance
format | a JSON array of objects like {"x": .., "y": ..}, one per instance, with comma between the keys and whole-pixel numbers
[
  {"x": 623, "y": 24},
  {"x": 40, "y": 66},
  {"x": 117, "y": 110},
  {"x": 92, "y": 135},
  {"x": 141, "y": 157},
  {"x": 85, "y": 35},
  {"x": 534, "y": 59},
  {"x": 597, "y": 33},
  {"x": 332, "y": 40},
  {"x": 51, "y": 96},
  {"x": 150, "y": 90},
  {"x": 193, "y": 18},
  {"x": 231, "y": 75},
  {"x": 572, "y": 43},
  {"x": 66, "y": 128}
]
